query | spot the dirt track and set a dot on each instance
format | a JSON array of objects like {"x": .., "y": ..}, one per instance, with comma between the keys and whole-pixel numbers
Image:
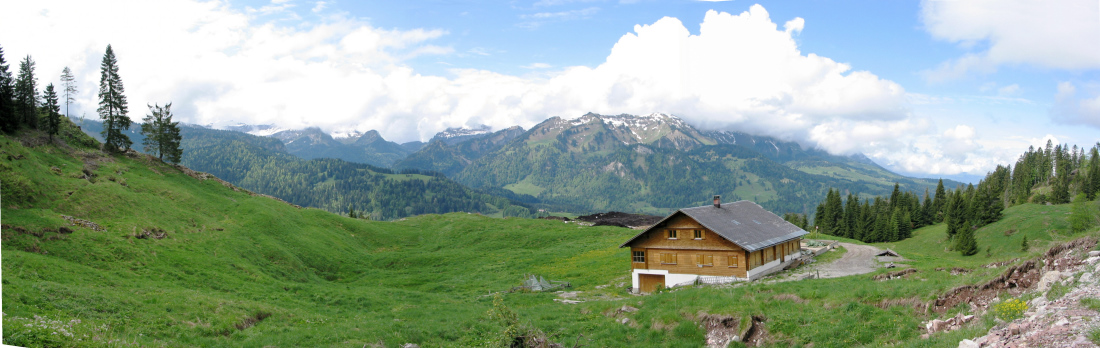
[{"x": 859, "y": 259}]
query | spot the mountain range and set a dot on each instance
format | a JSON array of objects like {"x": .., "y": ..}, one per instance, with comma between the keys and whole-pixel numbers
[{"x": 652, "y": 164}]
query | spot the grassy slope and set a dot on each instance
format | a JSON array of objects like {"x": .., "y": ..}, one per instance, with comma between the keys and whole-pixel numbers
[{"x": 327, "y": 280}]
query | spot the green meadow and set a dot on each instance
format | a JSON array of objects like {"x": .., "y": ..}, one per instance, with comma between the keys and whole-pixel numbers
[{"x": 234, "y": 269}]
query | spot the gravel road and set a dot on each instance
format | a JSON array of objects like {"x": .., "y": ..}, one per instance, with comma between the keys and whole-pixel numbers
[{"x": 859, "y": 259}]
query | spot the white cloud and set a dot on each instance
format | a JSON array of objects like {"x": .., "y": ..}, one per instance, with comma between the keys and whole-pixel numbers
[
  {"x": 1051, "y": 34},
  {"x": 1070, "y": 109},
  {"x": 221, "y": 66},
  {"x": 537, "y": 66}
]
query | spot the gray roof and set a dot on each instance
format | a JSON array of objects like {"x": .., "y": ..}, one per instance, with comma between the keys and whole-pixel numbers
[{"x": 744, "y": 223}]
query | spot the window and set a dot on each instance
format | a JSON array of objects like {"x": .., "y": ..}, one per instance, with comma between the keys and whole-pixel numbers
[
  {"x": 704, "y": 260},
  {"x": 698, "y": 234},
  {"x": 639, "y": 256},
  {"x": 732, "y": 262},
  {"x": 672, "y": 234},
  {"x": 668, "y": 258}
]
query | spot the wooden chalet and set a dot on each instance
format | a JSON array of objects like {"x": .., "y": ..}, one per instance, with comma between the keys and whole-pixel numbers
[{"x": 737, "y": 241}]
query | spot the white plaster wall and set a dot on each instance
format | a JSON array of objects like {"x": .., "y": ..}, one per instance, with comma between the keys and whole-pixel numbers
[{"x": 671, "y": 279}]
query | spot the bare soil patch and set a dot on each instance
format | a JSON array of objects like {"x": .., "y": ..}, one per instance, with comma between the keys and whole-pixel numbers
[{"x": 621, "y": 219}]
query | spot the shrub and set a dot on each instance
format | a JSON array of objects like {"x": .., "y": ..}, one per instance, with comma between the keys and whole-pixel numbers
[{"x": 1010, "y": 310}]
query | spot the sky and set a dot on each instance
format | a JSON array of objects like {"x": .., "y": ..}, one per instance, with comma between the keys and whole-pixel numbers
[{"x": 925, "y": 88}]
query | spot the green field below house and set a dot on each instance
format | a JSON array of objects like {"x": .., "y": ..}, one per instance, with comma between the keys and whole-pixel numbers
[{"x": 240, "y": 270}]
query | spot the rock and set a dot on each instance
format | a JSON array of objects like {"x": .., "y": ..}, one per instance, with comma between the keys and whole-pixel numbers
[
  {"x": 601, "y": 286},
  {"x": 968, "y": 344},
  {"x": 1014, "y": 329},
  {"x": 1038, "y": 302},
  {"x": 628, "y": 309},
  {"x": 1094, "y": 253},
  {"x": 1092, "y": 260},
  {"x": 967, "y": 318},
  {"x": 624, "y": 321},
  {"x": 410, "y": 345},
  {"x": 1062, "y": 322},
  {"x": 1048, "y": 279},
  {"x": 1086, "y": 278},
  {"x": 936, "y": 326}
]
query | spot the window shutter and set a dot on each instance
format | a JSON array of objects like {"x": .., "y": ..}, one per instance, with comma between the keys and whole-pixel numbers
[{"x": 710, "y": 260}]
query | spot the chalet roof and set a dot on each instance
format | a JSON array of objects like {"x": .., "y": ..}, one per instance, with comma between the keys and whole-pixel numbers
[{"x": 744, "y": 223}]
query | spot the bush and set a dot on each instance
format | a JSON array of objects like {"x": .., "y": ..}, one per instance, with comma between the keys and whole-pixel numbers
[{"x": 1010, "y": 310}]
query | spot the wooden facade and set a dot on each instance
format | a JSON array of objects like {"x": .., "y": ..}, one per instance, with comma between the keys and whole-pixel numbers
[{"x": 684, "y": 246}]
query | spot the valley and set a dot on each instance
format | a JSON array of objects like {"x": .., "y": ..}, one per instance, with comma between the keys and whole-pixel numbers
[{"x": 235, "y": 268}]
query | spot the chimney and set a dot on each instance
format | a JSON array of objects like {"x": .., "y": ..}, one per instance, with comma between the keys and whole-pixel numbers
[{"x": 717, "y": 201}]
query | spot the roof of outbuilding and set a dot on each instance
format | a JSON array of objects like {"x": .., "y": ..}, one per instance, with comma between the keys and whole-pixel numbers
[{"x": 744, "y": 223}]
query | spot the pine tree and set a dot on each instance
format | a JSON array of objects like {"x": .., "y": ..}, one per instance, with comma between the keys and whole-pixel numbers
[
  {"x": 53, "y": 112},
  {"x": 938, "y": 203},
  {"x": 9, "y": 122},
  {"x": 26, "y": 94},
  {"x": 112, "y": 105},
  {"x": 905, "y": 226},
  {"x": 162, "y": 136},
  {"x": 926, "y": 211},
  {"x": 1092, "y": 188},
  {"x": 892, "y": 231},
  {"x": 69, "y": 84},
  {"x": 965, "y": 243},
  {"x": 1023, "y": 246},
  {"x": 895, "y": 196}
]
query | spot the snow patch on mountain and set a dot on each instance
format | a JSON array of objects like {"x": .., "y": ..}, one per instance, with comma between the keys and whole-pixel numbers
[{"x": 463, "y": 131}]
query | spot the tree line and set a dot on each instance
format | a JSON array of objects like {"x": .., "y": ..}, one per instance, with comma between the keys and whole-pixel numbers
[
  {"x": 1053, "y": 174},
  {"x": 23, "y": 107}
]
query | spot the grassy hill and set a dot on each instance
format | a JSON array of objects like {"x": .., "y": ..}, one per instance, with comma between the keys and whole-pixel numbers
[{"x": 236, "y": 269}]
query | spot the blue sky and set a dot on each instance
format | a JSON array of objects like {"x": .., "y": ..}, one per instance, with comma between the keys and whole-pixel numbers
[{"x": 927, "y": 88}]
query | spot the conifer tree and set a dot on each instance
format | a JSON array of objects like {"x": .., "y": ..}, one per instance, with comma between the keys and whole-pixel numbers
[
  {"x": 1023, "y": 246},
  {"x": 1092, "y": 188},
  {"x": 69, "y": 84},
  {"x": 162, "y": 136},
  {"x": 905, "y": 226},
  {"x": 892, "y": 230},
  {"x": 53, "y": 112},
  {"x": 938, "y": 203},
  {"x": 965, "y": 243},
  {"x": 9, "y": 122},
  {"x": 112, "y": 105},
  {"x": 895, "y": 196},
  {"x": 26, "y": 94}
]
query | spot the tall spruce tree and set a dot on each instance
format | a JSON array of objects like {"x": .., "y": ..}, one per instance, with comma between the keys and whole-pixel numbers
[
  {"x": 938, "y": 203},
  {"x": 52, "y": 122},
  {"x": 68, "y": 82},
  {"x": 162, "y": 136},
  {"x": 1092, "y": 188},
  {"x": 112, "y": 105},
  {"x": 965, "y": 243},
  {"x": 9, "y": 122},
  {"x": 26, "y": 94}
]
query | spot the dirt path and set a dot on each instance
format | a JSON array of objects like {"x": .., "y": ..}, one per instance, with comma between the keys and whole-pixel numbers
[{"x": 859, "y": 259}]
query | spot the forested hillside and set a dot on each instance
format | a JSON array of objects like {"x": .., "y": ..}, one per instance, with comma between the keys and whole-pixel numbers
[
  {"x": 1055, "y": 174},
  {"x": 262, "y": 164}
]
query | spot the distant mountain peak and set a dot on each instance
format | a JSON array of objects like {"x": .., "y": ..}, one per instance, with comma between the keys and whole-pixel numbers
[
  {"x": 454, "y": 132},
  {"x": 262, "y": 130}
]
